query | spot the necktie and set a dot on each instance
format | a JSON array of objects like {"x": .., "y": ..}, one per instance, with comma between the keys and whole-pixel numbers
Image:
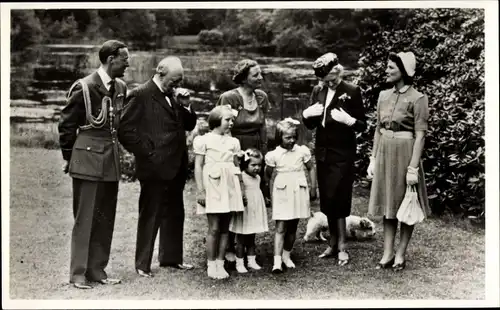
[{"x": 112, "y": 88}]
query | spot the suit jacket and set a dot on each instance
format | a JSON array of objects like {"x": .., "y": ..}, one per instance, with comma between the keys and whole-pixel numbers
[
  {"x": 155, "y": 132},
  {"x": 336, "y": 142},
  {"x": 92, "y": 153}
]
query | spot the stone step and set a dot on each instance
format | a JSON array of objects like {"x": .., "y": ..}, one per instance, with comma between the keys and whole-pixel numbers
[{"x": 34, "y": 113}]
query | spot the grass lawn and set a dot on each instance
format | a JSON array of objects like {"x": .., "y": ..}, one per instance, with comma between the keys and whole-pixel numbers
[{"x": 445, "y": 259}]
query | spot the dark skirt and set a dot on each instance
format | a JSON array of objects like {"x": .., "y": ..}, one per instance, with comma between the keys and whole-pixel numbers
[{"x": 335, "y": 181}]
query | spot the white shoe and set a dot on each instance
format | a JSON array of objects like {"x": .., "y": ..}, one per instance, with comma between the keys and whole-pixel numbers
[
  {"x": 240, "y": 265},
  {"x": 221, "y": 271},
  {"x": 230, "y": 257},
  {"x": 252, "y": 263}
]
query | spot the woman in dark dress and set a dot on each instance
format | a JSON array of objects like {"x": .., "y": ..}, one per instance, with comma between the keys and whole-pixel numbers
[
  {"x": 336, "y": 111},
  {"x": 250, "y": 106}
]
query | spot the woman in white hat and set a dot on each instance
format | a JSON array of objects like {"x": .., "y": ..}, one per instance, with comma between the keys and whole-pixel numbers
[{"x": 402, "y": 114}]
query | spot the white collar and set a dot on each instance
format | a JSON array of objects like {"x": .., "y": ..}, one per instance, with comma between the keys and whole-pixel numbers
[
  {"x": 104, "y": 77},
  {"x": 402, "y": 90},
  {"x": 157, "y": 84},
  {"x": 283, "y": 150}
]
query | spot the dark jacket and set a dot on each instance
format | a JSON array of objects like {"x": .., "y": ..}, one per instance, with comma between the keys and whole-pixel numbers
[
  {"x": 336, "y": 141},
  {"x": 92, "y": 153},
  {"x": 155, "y": 132}
]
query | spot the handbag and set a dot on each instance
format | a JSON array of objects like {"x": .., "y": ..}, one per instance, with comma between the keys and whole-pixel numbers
[{"x": 410, "y": 211}]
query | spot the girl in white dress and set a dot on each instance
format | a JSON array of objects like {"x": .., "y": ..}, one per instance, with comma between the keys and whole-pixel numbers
[
  {"x": 254, "y": 219},
  {"x": 290, "y": 194},
  {"x": 218, "y": 179}
]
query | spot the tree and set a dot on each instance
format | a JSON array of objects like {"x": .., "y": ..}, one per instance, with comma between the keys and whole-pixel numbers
[{"x": 25, "y": 28}]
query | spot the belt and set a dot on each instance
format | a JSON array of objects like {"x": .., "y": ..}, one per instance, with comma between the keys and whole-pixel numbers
[{"x": 396, "y": 134}]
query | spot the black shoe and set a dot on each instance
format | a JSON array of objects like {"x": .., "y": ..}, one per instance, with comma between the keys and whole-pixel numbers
[
  {"x": 83, "y": 285},
  {"x": 109, "y": 281},
  {"x": 144, "y": 274},
  {"x": 399, "y": 266},
  {"x": 183, "y": 266},
  {"x": 277, "y": 270},
  {"x": 385, "y": 265}
]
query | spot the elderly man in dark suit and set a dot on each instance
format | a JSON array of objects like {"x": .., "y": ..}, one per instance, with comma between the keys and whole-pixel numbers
[
  {"x": 154, "y": 130},
  {"x": 336, "y": 111},
  {"x": 88, "y": 139}
]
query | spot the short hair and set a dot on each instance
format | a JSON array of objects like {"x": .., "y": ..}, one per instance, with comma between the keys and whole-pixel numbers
[
  {"x": 407, "y": 80},
  {"x": 252, "y": 153},
  {"x": 241, "y": 70},
  {"x": 284, "y": 126},
  {"x": 110, "y": 48},
  {"x": 166, "y": 63},
  {"x": 215, "y": 116}
]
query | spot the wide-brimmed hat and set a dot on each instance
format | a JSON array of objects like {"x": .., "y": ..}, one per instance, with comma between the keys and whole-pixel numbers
[
  {"x": 324, "y": 64},
  {"x": 409, "y": 62}
]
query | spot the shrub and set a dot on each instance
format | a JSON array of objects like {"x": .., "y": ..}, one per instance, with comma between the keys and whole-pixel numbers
[
  {"x": 296, "y": 41},
  {"x": 449, "y": 47},
  {"x": 212, "y": 37}
]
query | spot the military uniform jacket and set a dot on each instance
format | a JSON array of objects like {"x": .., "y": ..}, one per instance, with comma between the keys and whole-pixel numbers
[{"x": 92, "y": 152}]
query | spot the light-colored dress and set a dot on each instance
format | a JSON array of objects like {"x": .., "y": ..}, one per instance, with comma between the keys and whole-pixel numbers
[
  {"x": 254, "y": 219},
  {"x": 290, "y": 195},
  {"x": 220, "y": 175},
  {"x": 399, "y": 115}
]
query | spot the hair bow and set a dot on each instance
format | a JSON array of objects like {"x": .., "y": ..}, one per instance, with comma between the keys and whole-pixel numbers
[
  {"x": 291, "y": 120},
  {"x": 246, "y": 155}
]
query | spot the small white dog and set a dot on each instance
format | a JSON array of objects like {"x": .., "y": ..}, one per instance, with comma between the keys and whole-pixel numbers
[{"x": 357, "y": 227}]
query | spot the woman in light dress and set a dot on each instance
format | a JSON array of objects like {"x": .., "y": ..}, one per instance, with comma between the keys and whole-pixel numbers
[{"x": 402, "y": 114}]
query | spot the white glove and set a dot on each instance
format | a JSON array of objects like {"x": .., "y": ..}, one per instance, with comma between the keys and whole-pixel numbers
[
  {"x": 314, "y": 110},
  {"x": 342, "y": 116},
  {"x": 412, "y": 176},
  {"x": 371, "y": 168}
]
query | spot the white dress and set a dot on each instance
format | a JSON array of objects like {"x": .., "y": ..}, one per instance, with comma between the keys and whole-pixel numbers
[
  {"x": 254, "y": 219},
  {"x": 220, "y": 175},
  {"x": 290, "y": 194}
]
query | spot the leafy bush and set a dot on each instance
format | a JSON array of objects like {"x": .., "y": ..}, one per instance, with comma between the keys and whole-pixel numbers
[
  {"x": 449, "y": 47},
  {"x": 211, "y": 37}
]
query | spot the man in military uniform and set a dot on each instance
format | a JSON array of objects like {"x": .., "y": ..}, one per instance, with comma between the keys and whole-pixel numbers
[{"x": 88, "y": 139}]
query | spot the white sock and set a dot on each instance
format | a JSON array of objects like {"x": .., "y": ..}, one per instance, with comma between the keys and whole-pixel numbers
[
  {"x": 287, "y": 260},
  {"x": 252, "y": 263},
  {"x": 221, "y": 271},
  {"x": 211, "y": 269},
  {"x": 240, "y": 265},
  {"x": 277, "y": 262}
]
